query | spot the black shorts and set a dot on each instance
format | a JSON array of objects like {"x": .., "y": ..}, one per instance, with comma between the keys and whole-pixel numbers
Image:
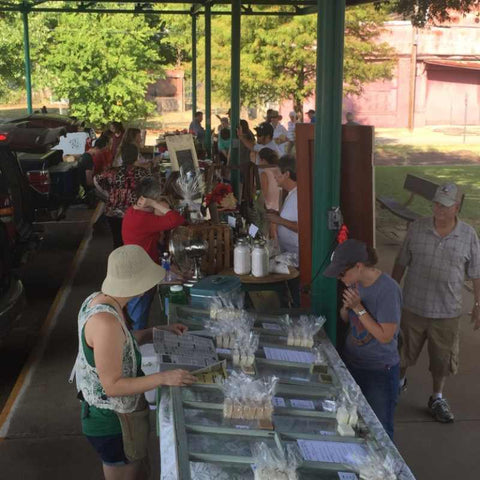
[{"x": 110, "y": 449}]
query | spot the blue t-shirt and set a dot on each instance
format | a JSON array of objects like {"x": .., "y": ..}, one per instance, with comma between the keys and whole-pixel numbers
[{"x": 383, "y": 301}]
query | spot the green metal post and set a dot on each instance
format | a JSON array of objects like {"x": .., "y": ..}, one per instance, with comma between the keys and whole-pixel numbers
[
  {"x": 194, "y": 65},
  {"x": 208, "y": 80},
  {"x": 235, "y": 93},
  {"x": 326, "y": 174},
  {"x": 28, "y": 72}
]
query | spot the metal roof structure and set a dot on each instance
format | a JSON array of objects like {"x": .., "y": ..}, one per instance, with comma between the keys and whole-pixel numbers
[{"x": 180, "y": 7}]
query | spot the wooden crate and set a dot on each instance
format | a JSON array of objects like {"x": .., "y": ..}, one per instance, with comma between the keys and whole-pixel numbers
[{"x": 220, "y": 250}]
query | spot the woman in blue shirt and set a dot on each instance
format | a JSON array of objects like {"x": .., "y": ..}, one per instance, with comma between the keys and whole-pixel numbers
[{"x": 372, "y": 305}]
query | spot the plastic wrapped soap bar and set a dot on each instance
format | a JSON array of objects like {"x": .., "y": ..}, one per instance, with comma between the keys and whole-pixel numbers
[{"x": 345, "y": 430}]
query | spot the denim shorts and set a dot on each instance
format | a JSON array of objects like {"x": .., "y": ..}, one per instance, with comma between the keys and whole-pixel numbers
[{"x": 110, "y": 449}]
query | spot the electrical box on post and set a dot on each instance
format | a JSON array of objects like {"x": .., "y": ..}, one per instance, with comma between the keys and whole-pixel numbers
[{"x": 335, "y": 218}]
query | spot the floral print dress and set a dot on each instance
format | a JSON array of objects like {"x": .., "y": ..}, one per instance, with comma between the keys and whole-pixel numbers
[{"x": 119, "y": 185}]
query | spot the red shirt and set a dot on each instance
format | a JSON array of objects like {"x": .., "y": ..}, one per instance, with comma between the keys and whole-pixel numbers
[
  {"x": 102, "y": 160},
  {"x": 144, "y": 229}
]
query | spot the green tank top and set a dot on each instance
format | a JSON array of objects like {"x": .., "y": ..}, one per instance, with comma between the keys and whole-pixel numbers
[{"x": 98, "y": 422}]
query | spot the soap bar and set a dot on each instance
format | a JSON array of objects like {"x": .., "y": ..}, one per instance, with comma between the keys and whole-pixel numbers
[
  {"x": 342, "y": 416},
  {"x": 345, "y": 430},
  {"x": 227, "y": 408},
  {"x": 353, "y": 417}
]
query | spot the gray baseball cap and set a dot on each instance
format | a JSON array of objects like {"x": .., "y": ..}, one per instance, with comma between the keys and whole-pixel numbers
[
  {"x": 345, "y": 255},
  {"x": 448, "y": 195}
]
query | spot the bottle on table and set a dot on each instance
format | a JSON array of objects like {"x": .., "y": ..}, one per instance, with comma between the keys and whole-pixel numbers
[
  {"x": 259, "y": 259},
  {"x": 166, "y": 266},
  {"x": 177, "y": 295},
  {"x": 242, "y": 263}
]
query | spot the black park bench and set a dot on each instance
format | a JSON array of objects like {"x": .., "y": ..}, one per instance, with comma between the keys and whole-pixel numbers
[{"x": 416, "y": 186}]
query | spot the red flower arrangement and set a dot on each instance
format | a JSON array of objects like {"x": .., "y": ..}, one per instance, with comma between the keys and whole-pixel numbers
[{"x": 220, "y": 191}]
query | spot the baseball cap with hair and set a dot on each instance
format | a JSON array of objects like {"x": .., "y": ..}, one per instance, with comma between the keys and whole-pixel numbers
[
  {"x": 448, "y": 195},
  {"x": 345, "y": 255},
  {"x": 263, "y": 129}
]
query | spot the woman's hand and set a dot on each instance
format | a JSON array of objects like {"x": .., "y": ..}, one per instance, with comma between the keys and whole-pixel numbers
[
  {"x": 177, "y": 328},
  {"x": 177, "y": 378},
  {"x": 273, "y": 218},
  {"x": 351, "y": 298}
]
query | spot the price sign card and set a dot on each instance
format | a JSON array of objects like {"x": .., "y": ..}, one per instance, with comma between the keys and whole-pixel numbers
[
  {"x": 347, "y": 476},
  {"x": 283, "y": 354},
  {"x": 333, "y": 452},
  {"x": 278, "y": 402},
  {"x": 232, "y": 221},
  {"x": 271, "y": 326},
  {"x": 303, "y": 404},
  {"x": 252, "y": 231}
]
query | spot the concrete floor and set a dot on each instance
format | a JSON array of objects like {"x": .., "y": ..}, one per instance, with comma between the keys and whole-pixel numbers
[
  {"x": 42, "y": 276},
  {"x": 433, "y": 450},
  {"x": 43, "y": 440}
]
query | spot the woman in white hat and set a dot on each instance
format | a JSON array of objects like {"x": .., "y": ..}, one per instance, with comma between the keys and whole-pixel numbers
[{"x": 108, "y": 368}]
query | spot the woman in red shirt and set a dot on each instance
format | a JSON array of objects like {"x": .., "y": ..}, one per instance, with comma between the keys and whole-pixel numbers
[{"x": 144, "y": 224}]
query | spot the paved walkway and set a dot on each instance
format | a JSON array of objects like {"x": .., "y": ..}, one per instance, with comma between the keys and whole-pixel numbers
[
  {"x": 43, "y": 440},
  {"x": 433, "y": 450}
]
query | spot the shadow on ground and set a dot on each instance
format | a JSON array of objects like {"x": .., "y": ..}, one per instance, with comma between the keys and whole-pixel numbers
[{"x": 411, "y": 155}]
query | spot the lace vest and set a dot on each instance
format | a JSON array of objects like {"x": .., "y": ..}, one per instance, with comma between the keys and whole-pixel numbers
[{"x": 87, "y": 378}]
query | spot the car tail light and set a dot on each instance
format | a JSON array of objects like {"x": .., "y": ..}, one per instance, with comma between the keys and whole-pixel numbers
[
  {"x": 3, "y": 137},
  {"x": 39, "y": 180},
  {"x": 6, "y": 208}
]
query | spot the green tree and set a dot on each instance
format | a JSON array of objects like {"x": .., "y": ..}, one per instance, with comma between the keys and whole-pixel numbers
[
  {"x": 424, "y": 11},
  {"x": 12, "y": 67},
  {"x": 103, "y": 65},
  {"x": 278, "y": 55}
]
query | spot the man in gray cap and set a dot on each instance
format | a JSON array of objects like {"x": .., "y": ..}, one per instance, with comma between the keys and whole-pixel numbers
[{"x": 438, "y": 252}]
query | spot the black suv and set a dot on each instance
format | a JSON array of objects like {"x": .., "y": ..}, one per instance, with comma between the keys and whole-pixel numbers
[{"x": 35, "y": 185}]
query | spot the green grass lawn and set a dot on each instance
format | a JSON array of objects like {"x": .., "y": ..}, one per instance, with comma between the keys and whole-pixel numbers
[{"x": 389, "y": 182}]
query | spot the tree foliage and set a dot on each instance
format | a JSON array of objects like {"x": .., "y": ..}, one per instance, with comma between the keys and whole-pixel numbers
[
  {"x": 424, "y": 11},
  {"x": 103, "y": 65},
  {"x": 12, "y": 67},
  {"x": 278, "y": 55}
]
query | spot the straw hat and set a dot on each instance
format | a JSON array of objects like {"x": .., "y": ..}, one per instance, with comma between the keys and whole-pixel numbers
[{"x": 131, "y": 272}]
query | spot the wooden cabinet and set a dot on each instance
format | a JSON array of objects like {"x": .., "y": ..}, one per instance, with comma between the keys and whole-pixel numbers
[{"x": 357, "y": 191}]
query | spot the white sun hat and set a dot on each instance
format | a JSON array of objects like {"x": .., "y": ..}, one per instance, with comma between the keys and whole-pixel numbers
[{"x": 131, "y": 272}]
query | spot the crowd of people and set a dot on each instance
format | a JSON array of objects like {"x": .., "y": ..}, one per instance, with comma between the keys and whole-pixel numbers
[
  {"x": 388, "y": 325},
  {"x": 112, "y": 323}
]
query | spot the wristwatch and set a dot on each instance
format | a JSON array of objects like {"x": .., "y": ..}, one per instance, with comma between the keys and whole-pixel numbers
[{"x": 361, "y": 313}]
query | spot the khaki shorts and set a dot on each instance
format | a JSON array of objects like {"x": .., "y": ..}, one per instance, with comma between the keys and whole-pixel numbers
[{"x": 443, "y": 342}]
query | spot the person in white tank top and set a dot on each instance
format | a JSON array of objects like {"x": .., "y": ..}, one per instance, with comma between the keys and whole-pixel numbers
[{"x": 268, "y": 169}]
